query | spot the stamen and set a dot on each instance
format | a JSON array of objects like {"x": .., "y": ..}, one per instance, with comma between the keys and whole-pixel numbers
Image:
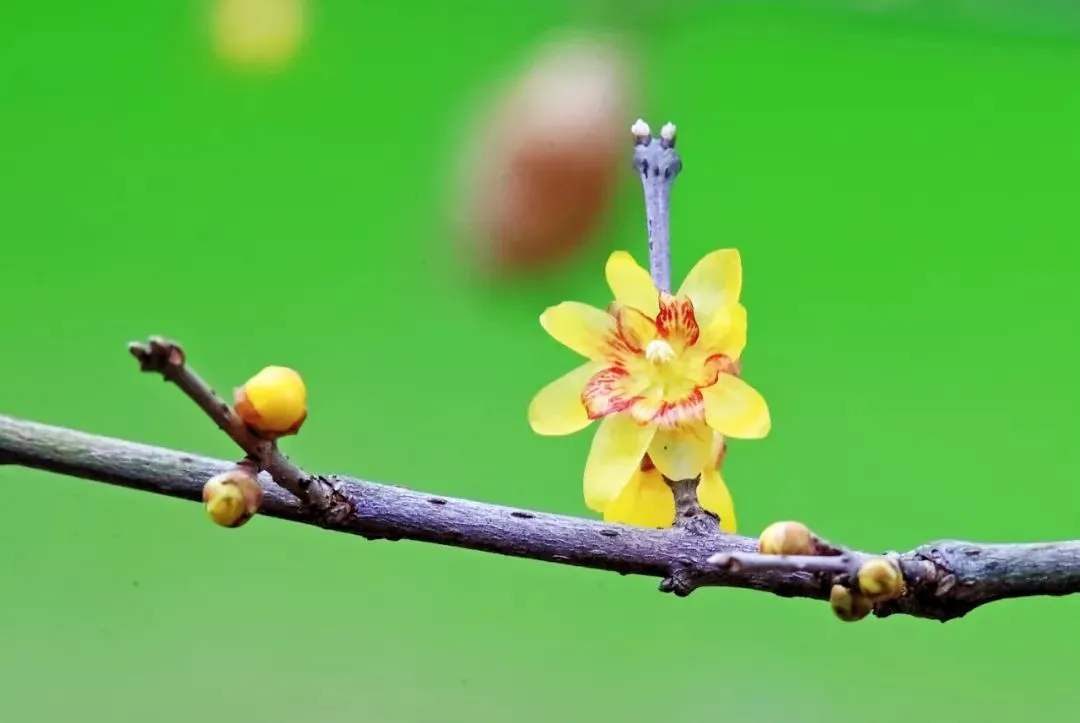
[{"x": 659, "y": 352}]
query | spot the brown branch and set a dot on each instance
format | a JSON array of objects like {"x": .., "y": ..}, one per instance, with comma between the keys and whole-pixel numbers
[
  {"x": 942, "y": 580},
  {"x": 945, "y": 580},
  {"x": 166, "y": 358}
]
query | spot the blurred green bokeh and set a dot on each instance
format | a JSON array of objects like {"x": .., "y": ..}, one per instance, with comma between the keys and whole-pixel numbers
[{"x": 903, "y": 196}]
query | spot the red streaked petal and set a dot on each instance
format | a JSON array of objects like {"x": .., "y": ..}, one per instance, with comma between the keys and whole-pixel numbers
[
  {"x": 676, "y": 322},
  {"x": 609, "y": 391},
  {"x": 667, "y": 414},
  {"x": 706, "y": 373},
  {"x": 647, "y": 404}
]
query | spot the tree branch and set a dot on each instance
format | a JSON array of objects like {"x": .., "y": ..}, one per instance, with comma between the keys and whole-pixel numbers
[
  {"x": 944, "y": 580},
  {"x": 166, "y": 358}
]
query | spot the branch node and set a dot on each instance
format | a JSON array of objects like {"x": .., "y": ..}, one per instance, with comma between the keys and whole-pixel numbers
[
  {"x": 680, "y": 580},
  {"x": 690, "y": 516},
  {"x": 945, "y": 585}
]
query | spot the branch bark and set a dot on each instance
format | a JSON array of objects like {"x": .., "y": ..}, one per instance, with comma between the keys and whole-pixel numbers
[{"x": 944, "y": 580}]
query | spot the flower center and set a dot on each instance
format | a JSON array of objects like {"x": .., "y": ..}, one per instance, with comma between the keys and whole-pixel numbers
[{"x": 659, "y": 352}]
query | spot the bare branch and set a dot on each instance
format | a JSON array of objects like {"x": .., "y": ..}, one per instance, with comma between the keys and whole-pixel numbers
[
  {"x": 166, "y": 358},
  {"x": 944, "y": 580}
]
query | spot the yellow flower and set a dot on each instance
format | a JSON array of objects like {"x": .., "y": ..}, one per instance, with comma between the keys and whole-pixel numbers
[{"x": 662, "y": 376}]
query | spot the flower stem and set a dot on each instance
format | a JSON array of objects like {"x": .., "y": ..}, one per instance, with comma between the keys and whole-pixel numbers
[{"x": 658, "y": 164}]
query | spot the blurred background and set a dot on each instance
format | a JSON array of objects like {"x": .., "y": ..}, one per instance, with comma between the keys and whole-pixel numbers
[{"x": 375, "y": 194}]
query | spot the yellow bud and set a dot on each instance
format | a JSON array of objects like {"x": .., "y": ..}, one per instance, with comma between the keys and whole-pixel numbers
[
  {"x": 847, "y": 605},
  {"x": 786, "y": 538},
  {"x": 880, "y": 579},
  {"x": 273, "y": 403},
  {"x": 232, "y": 498}
]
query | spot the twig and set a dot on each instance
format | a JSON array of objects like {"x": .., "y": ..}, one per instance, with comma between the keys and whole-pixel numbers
[
  {"x": 166, "y": 358},
  {"x": 846, "y": 564},
  {"x": 658, "y": 163},
  {"x": 945, "y": 580}
]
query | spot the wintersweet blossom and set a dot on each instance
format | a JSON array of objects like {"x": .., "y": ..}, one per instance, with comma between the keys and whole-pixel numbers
[{"x": 662, "y": 377}]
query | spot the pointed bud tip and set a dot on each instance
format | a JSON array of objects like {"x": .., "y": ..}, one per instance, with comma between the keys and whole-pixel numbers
[{"x": 640, "y": 130}]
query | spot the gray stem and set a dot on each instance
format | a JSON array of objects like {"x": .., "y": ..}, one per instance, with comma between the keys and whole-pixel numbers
[
  {"x": 945, "y": 580},
  {"x": 658, "y": 164}
]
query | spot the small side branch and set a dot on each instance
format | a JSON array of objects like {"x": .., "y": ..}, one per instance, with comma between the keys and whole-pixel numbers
[{"x": 166, "y": 358}]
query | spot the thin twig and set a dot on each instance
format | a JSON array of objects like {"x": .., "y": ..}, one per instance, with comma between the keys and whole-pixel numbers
[
  {"x": 164, "y": 357},
  {"x": 658, "y": 163},
  {"x": 846, "y": 564},
  {"x": 944, "y": 580}
]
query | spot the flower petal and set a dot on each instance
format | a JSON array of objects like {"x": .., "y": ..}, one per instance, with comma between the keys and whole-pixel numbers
[
  {"x": 646, "y": 502},
  {"x": 726, "y": 332},
  {"x": 558, "y": 409},
  {"x": 631, "y": 284},
  {"x": 580, "y": 327},
  {"x": 682, "y": 452},
  {"x": 714, "y": 496},
  {"x": 635, "y": 329},
  {"x": 651, "y": 406},
  {"x": 616, "y": 453},
  {"x": 735, "y": 409},
  {"x": 611, "y": 390},
  {"x": 714, "y": 281},
  {"x": 676, "y": 322},
  {"x": 719, "y": 450}
]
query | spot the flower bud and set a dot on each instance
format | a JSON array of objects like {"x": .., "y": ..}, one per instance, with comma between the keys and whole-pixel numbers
[
  {"x": 232, "y": 498},
  {"x": 880, "y": 579},
  {"x": 847, "y": 605},
  {"x": 786, "y": 538},
  {"x": 273, "y": 403}
]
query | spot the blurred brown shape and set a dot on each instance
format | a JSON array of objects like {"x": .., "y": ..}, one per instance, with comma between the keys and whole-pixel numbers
[
  {"x": 263, "y": 34},
  {"x": 548, "y": 150}
]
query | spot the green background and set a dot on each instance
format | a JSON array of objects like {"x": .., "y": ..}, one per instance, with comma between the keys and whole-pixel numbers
[{"x": 903, "y": 194}]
